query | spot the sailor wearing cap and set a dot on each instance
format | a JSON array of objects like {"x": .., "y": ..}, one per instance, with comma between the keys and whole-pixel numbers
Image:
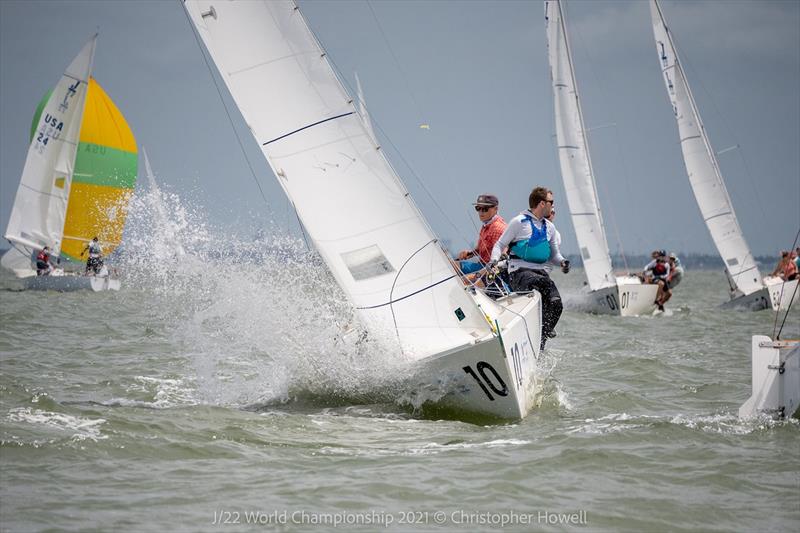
[{"x": 492, "y": 227}]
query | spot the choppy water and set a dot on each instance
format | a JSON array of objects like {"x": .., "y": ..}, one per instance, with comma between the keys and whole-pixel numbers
[{"x": 215, "y": 398}]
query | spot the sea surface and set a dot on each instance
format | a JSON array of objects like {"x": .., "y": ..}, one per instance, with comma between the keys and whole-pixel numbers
[{"x": 212, "y": 394}]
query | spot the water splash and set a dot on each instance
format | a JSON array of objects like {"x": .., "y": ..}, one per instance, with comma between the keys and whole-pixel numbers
[{"x": 258, "y": 319}]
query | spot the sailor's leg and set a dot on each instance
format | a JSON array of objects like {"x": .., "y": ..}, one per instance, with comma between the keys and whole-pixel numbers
[{"x": 552, "y": 307}]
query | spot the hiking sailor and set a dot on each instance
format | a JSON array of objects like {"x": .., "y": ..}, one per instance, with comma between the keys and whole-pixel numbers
[
  {"x": 95, "y": 261},
  {"x": 44, "y": 262},
  {"x": 532, "y": 243}
]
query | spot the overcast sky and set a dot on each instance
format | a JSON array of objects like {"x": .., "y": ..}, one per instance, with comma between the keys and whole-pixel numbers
[{"x": 475, "y": 72}]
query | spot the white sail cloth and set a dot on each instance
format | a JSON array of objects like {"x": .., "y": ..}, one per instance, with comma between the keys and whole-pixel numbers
[
  {"x": 702, "y": 166},
  {"x": 354, "y": 207},
  {"x": 40, "y": 206},
  {"x": 573, "y": 155}
]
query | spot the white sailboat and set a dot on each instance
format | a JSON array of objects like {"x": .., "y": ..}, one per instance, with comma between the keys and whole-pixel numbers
[
  {"x": 474, "y": 355},
  {"x": 747, "y": 288},
  {"x": 608, "y": 293},
  {"x": 77, "y": 180}
]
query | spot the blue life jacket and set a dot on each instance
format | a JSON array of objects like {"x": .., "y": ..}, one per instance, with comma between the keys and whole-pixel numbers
[{"x": 537, "y": 248}]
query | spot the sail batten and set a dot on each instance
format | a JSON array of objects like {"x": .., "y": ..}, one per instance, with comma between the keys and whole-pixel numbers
[
  {"x": 573, "y": 152},
  {"x": 702, "y": 166}
]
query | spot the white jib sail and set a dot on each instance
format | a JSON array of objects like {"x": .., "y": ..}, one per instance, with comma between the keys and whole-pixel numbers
[
  {"x": 37, "y": 217},
  {"x": 573, "y": 154},
  {"x": 353, "y": 205},
  {"x": 702, "y": 167}
]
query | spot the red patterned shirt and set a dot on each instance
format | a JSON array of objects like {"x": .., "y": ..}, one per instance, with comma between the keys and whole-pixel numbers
[{"x": 489, "y": 234}]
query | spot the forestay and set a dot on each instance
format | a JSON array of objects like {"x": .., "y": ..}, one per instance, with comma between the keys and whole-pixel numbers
[
  {"x": 573, "y": 154},
  {"x": 37, "y": 217},
  {"x": 351, "y": 202},
  {"x": 702, "y": 167}
]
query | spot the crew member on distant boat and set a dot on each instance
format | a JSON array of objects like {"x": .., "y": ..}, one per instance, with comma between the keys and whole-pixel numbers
[
  {"x": 532, "y": 243},
  {"x": 787, "y": 268},
  {"x": 95, "y": 261},
  {"x": 493, "y": 226},
  {"x": 673, "y": 279},
  {"x": 657, "y": 271},
  {"x": 44, "y": 262}
]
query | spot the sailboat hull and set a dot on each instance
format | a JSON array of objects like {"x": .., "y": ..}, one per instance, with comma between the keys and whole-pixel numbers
[
  {"x": 781, "y": 294},
  {"x": 492, "y": 378},
  {"x": 69, "y": 283},
  {"x": 775, "y": 377},
  {"x": 628, "y": 298},
  {"x": 755, "y": 301}
]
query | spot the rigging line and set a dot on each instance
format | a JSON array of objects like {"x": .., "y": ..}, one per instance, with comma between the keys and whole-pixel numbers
[
  {"x": 420, "y": 117},
  {"x": 794, "y": 295},
  {"x": 408, "y": 295},
  {"x": 621, "y": 156},
  {"x": 338, "y": 72},
  {"x": 727, "y": 127},
  {"x": 225, "y": 106},
  {"x": 421, "y": 120},
  {"x": 778, "y": 311},
  {"x": 524, "y": 321},
  {"x": 343, "y": 80}
]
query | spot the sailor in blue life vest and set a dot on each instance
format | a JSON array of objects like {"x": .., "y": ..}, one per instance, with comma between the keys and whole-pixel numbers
[
  {"x": 95, "y": 261},
  {"x": 533, "y": 246},
  {"x": 43, "y": 262}
]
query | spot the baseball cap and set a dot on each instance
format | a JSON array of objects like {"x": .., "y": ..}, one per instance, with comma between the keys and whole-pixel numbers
[{"x": 487, "y": 199}]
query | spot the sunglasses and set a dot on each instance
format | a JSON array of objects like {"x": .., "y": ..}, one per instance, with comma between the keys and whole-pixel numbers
[
  {"x": 482, "y": 208},
  {"x": 551, "y": 202}
]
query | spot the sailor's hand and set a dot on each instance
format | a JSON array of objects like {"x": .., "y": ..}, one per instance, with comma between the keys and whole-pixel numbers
[{"x": 565, "y": 266}]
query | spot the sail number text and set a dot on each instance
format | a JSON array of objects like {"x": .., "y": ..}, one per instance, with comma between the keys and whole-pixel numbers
[{"x": 488, "y": 379}]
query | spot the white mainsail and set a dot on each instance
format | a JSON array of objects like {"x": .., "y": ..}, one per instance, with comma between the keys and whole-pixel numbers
[
  {"x": 362, "y": 108},
  {"x": 352, "y": 203},
  {"x": 702, "y": 167},
  {"x": 573, "y": 154},
  {"x": 40, "y": 206}
]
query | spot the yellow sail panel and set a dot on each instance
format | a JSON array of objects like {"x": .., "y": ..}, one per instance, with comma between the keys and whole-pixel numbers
[
  {"x": 103, "y": 124},
  {"x": 94, "y": 211}
]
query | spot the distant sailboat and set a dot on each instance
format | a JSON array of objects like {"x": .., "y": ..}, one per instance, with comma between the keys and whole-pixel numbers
[
  {"x": 618, "y": 295},
  {"x": 474, "y": 355},
  {"x": 79, "y": 175},
  {"x": 747, "y": 288}
]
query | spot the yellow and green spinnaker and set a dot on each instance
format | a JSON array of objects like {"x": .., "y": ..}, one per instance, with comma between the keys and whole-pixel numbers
[{"x": 106, "y": 164}]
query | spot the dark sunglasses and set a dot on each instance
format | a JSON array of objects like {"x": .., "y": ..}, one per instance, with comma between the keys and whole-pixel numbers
[
  {"x": 551, "y": 202},
  {"x": 482, "y": 208}
]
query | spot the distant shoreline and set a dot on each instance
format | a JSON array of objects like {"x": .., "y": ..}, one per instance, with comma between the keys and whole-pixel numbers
[{"x": 636, "y": 262}]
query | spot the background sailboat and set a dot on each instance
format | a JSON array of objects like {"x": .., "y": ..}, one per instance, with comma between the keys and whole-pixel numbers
[
  {"x": 79, "y": 175},
  {"x": 747, "y": 288},
  {"x": 471, "y": 353},
  {"x": 618, "y": 295}
]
